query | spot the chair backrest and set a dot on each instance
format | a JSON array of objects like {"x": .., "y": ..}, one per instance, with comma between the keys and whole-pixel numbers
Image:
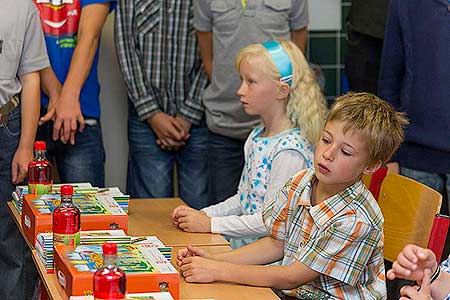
[
  {"x": 373, "y": 182},
  {"x": 438, "y": 235},
  {"x": 408, "y": 209}
]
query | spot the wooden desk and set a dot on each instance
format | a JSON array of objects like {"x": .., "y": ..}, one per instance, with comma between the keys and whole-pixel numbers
[
  {"x": 188, "y": 291},
  {"x": 152, "y": 217}
]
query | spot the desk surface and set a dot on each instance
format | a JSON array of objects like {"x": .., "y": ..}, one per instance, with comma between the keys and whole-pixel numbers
[{"x": 152, "y": 217}]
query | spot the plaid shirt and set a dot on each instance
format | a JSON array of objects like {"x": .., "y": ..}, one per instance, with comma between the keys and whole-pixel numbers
[
  {"x": 445, "y": 266},
  {"x": 340, "y": 238},
  {"x": 159, "y": 57}
]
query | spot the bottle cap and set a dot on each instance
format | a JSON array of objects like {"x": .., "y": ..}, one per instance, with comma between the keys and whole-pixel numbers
[
  {"x": 109, "y": 248},
  {"x": 66, "y": 190},
  {"x": 40, "y": 145}
]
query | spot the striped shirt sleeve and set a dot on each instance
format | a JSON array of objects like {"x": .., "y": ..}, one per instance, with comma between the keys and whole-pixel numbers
[{"x": 139, "y": 93}]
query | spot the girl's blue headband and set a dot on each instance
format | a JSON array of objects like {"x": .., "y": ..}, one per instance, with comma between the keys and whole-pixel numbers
[{"x": 281, "y": 60}]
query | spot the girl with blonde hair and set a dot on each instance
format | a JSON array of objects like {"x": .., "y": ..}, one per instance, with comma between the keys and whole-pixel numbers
[{"x": 279, "y": 87}]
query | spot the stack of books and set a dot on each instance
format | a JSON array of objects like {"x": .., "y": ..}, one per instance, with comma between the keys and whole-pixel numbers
[
  {"x": 147, "y": 270},
  {"x": 83, "y": 188},
  {"x": 44, "y": 243}
]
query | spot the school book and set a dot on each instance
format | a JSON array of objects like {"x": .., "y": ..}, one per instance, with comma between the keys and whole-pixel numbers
[
  {"x": 147, "y": 270},
  {"x": 98, "y": 212}
]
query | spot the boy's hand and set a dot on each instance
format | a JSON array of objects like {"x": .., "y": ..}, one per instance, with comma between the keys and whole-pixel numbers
[
  {"x": 68, "y": 118},
  {"x": 414, "y": 293},
  {"x": 19, "y": 165},
  {"x": 51, "y": 111},
  {"x": 200, "y": 269},
  {"x": 412, "y": 262},
  {"x": 166, "y": 129},
  {"x": 190, "y": 251},
  {"x": 191, "y": 220}
]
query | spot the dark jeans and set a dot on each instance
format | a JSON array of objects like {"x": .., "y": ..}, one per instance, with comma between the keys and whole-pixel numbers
[
  {"x": 363, "y": 62},
  {"x": 225, "y": 163},
  {"x": 150, "y": 169},
  {"x": 82, "y": 162},
  {"x": 17, "y": 273}
]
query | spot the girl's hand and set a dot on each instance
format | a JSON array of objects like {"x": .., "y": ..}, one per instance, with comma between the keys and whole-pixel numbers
[
  {"x": 414, "y": 293},
  {"x": 176, "y": 211},
  {"x": 191, "y": 220}
]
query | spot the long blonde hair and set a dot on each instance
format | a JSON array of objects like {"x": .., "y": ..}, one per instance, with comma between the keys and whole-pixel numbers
[{"x": 306, "y": 108}]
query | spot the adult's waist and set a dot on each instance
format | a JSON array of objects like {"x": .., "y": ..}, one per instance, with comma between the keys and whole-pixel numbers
[
  {"x": 423, "y": 158},
  {"x": 9, "y": 106}
]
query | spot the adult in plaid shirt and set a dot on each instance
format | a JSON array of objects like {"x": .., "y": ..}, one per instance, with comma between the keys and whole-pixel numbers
[
  {"x": 160, "y": 62},
  {"x": 324, "y": 224}
]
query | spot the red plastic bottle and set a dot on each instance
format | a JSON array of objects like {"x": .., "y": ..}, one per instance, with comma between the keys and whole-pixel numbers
[
  {"x": 109, "y": 280},
  {"x": 39, "y": 171},
  {"x": 66, "y": 220}
]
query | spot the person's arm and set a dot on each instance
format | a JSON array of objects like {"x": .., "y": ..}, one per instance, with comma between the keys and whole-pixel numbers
[
  {"x": 68, "y": 111},
  {"x": 230, "y": 206},
  {"x": 33, "y": 59},
  {"x": 238, "y": 266},
  {"x": 298, "y": 20},
  {"x": 30, "y": 103},
  {"x": 392, "y": 67},
  {"x": 205, "y": 42},
  {"x": 51, "y": 86},
  {"x": 299, "y": 38}
]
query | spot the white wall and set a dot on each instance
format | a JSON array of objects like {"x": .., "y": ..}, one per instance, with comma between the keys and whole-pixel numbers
[{"x": 113, "y": 99}]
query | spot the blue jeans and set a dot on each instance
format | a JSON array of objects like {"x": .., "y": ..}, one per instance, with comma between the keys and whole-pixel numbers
[
  {"x": 225, "y": 164},
  {"x": 150, "y": 169},
  {"x": 82, "y": 162},
  {"x": 17, "y": 273},
  {"x": 439, "y": 182}
]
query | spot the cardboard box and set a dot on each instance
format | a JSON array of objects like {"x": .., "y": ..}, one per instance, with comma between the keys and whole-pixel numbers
[
  {"x": 147, "y": 270},
  {"x": 97, "y": 212}
]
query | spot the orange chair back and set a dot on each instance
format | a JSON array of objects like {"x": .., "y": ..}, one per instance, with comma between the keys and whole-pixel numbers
[{"x": 408, "y": 208}]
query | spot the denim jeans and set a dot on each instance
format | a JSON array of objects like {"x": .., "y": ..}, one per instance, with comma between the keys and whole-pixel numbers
[
  {"x": 150, "y": 169},
  {"x": 439, "y": 182},
  {"x": 17, "y": 273},
  {"x": 82, "y": 162},
  {"x": 225, "y": 164}
]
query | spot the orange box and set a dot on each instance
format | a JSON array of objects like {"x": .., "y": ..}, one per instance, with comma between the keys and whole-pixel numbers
[
  {"x": 98, "y": 212},
  {"x": 146, "y": 269}
]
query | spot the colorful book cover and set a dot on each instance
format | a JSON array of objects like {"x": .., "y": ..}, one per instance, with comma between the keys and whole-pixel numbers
[{"x": 147, "y": 270}]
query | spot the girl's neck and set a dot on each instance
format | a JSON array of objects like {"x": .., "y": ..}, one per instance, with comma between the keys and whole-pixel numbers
[{"x": 275, "y": 124}]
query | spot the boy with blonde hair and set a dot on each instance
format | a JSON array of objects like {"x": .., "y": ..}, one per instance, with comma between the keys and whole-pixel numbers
[{"x": 324, "y": 224}]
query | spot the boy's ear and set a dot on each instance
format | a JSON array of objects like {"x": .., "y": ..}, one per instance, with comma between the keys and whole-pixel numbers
[
  {"x": 372, "y": 168},
  {"x": 283, "y": 91}
]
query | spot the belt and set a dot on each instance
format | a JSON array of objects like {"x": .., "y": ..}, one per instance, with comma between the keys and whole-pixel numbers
[{"x": 8, "y": 107}]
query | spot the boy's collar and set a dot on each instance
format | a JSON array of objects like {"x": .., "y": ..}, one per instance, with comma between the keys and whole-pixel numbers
[{"x": 326, "y": 210}]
